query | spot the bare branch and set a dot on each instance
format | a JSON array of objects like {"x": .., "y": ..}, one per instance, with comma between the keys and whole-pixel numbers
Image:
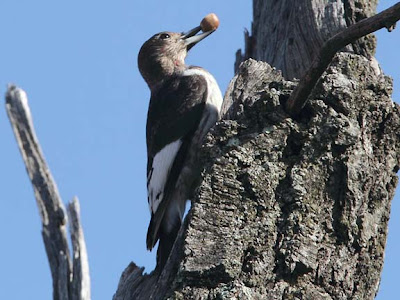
[
  {"x": 386, "y": 18},
  {"x": 66, "y": 285},
  {"x": 50, "y": 206},
  {"x": 80, "y": 287}
]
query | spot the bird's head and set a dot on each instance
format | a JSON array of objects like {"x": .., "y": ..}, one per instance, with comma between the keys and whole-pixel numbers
[{"x": 164, "y": 54}]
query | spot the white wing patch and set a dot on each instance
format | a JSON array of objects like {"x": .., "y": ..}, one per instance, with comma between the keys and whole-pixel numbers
[{"x": 158, "y": 175}]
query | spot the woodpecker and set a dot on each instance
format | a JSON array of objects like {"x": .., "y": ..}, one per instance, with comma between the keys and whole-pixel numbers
[{"x": 185, "y": 103}]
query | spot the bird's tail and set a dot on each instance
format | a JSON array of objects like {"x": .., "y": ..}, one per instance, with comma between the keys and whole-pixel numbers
[
  {"x": 166, "y": 242},
  {"x": 165, "y": 229},
  {"x": 166, "y": 221}
]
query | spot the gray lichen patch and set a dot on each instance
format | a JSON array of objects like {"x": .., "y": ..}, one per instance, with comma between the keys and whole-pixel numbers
[{"x": 295, "y": 209}]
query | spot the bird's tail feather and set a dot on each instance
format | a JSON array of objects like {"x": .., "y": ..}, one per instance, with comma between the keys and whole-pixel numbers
[
  {"x": 170, "y": 188},
  {"x": 167, "y": 240},
  {"x": 153, "y": 229}
]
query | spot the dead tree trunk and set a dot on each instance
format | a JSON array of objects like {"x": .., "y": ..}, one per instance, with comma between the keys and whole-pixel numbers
[
  {"x": 290, "y": 207},
  {"x": 289, "y": 34}
]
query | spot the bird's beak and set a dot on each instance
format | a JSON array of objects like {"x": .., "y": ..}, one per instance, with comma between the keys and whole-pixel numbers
[{"x": 190, "y": 38}]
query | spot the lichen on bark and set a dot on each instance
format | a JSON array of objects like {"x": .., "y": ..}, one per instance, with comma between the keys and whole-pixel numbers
[
  {"x": 288, "y": 208},
  {"x": 295, "y": 209}
]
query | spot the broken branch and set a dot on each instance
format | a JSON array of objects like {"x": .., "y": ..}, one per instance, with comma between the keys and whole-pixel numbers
[
  {"x": 299, "y": 96},
  {"x": 51, "y": 208}
]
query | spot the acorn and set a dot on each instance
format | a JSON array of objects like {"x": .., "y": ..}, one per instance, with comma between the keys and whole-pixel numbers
[{"x": 209, "y": 22}]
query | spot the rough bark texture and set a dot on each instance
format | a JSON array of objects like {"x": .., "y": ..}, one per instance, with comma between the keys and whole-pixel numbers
[
  {"x": 296, "y": 209},
  {"x": 386, "y": 18},
  {"x": 288, "y": 34},
  {"x": 291, "y": 209}
]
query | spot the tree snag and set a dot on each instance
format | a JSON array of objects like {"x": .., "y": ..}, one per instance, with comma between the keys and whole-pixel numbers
[
  {"x": 290, "y": 208},
  {"x": 70, "y": 281},
  {"x": 295, "y": 193},
  {"x": 386, "y": 18}
]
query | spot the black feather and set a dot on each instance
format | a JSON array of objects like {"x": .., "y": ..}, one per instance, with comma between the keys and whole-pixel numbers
[{"x": 175, "y": 111}]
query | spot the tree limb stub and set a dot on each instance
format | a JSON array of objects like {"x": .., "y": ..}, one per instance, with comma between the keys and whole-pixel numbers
[
  {"x": 51, "y": 207},
  {"x": 81, "y": 277},
  {"x": 386, "y": 18},
  {"x": 48, "y": 199}
]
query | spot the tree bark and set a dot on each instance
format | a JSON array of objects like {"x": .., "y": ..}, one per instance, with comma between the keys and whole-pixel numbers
[
  {"x": 290, "y": 208},
  {"x": 387, "y": 18},
  {"x": 289, "y": 34},
  {"x": 296, "y": 209}
]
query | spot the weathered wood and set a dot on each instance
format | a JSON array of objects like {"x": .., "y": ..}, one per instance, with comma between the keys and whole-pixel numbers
[
  {"x": 288, "y": 34},
  {"x": 385, "y": 19},
  {"x": 69, "y": 281},
  {"x": 51, "y": 208},
  {"x": 80, "y": 286},
  {"x": 291, "y": 208}
]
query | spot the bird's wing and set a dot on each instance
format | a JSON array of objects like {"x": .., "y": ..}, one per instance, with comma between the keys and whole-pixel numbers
[{"x": 175, "y": 111}]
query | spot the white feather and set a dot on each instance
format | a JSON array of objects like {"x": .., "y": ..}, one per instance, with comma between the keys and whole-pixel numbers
[
  {"x": 214, "y": 95},
  {"x": 162, "y": 164}
]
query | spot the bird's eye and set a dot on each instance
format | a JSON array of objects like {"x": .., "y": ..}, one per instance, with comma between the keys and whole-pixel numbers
[{"x": 164, "y": 36}]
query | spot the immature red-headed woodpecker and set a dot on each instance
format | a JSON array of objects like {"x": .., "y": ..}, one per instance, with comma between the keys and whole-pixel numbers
[{"x": 185, "y": 103}]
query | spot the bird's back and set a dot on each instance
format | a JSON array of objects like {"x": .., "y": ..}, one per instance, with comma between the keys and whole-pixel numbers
[{"x": 181, "y": 112}]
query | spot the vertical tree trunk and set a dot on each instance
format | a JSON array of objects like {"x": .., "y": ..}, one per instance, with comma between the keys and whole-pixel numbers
[
  {"x": 290, "y": 208},
  {"x": 289, "y": 34}
]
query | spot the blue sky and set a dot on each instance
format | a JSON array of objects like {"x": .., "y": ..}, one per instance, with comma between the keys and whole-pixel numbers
[{"x": 77, "y": 62}]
